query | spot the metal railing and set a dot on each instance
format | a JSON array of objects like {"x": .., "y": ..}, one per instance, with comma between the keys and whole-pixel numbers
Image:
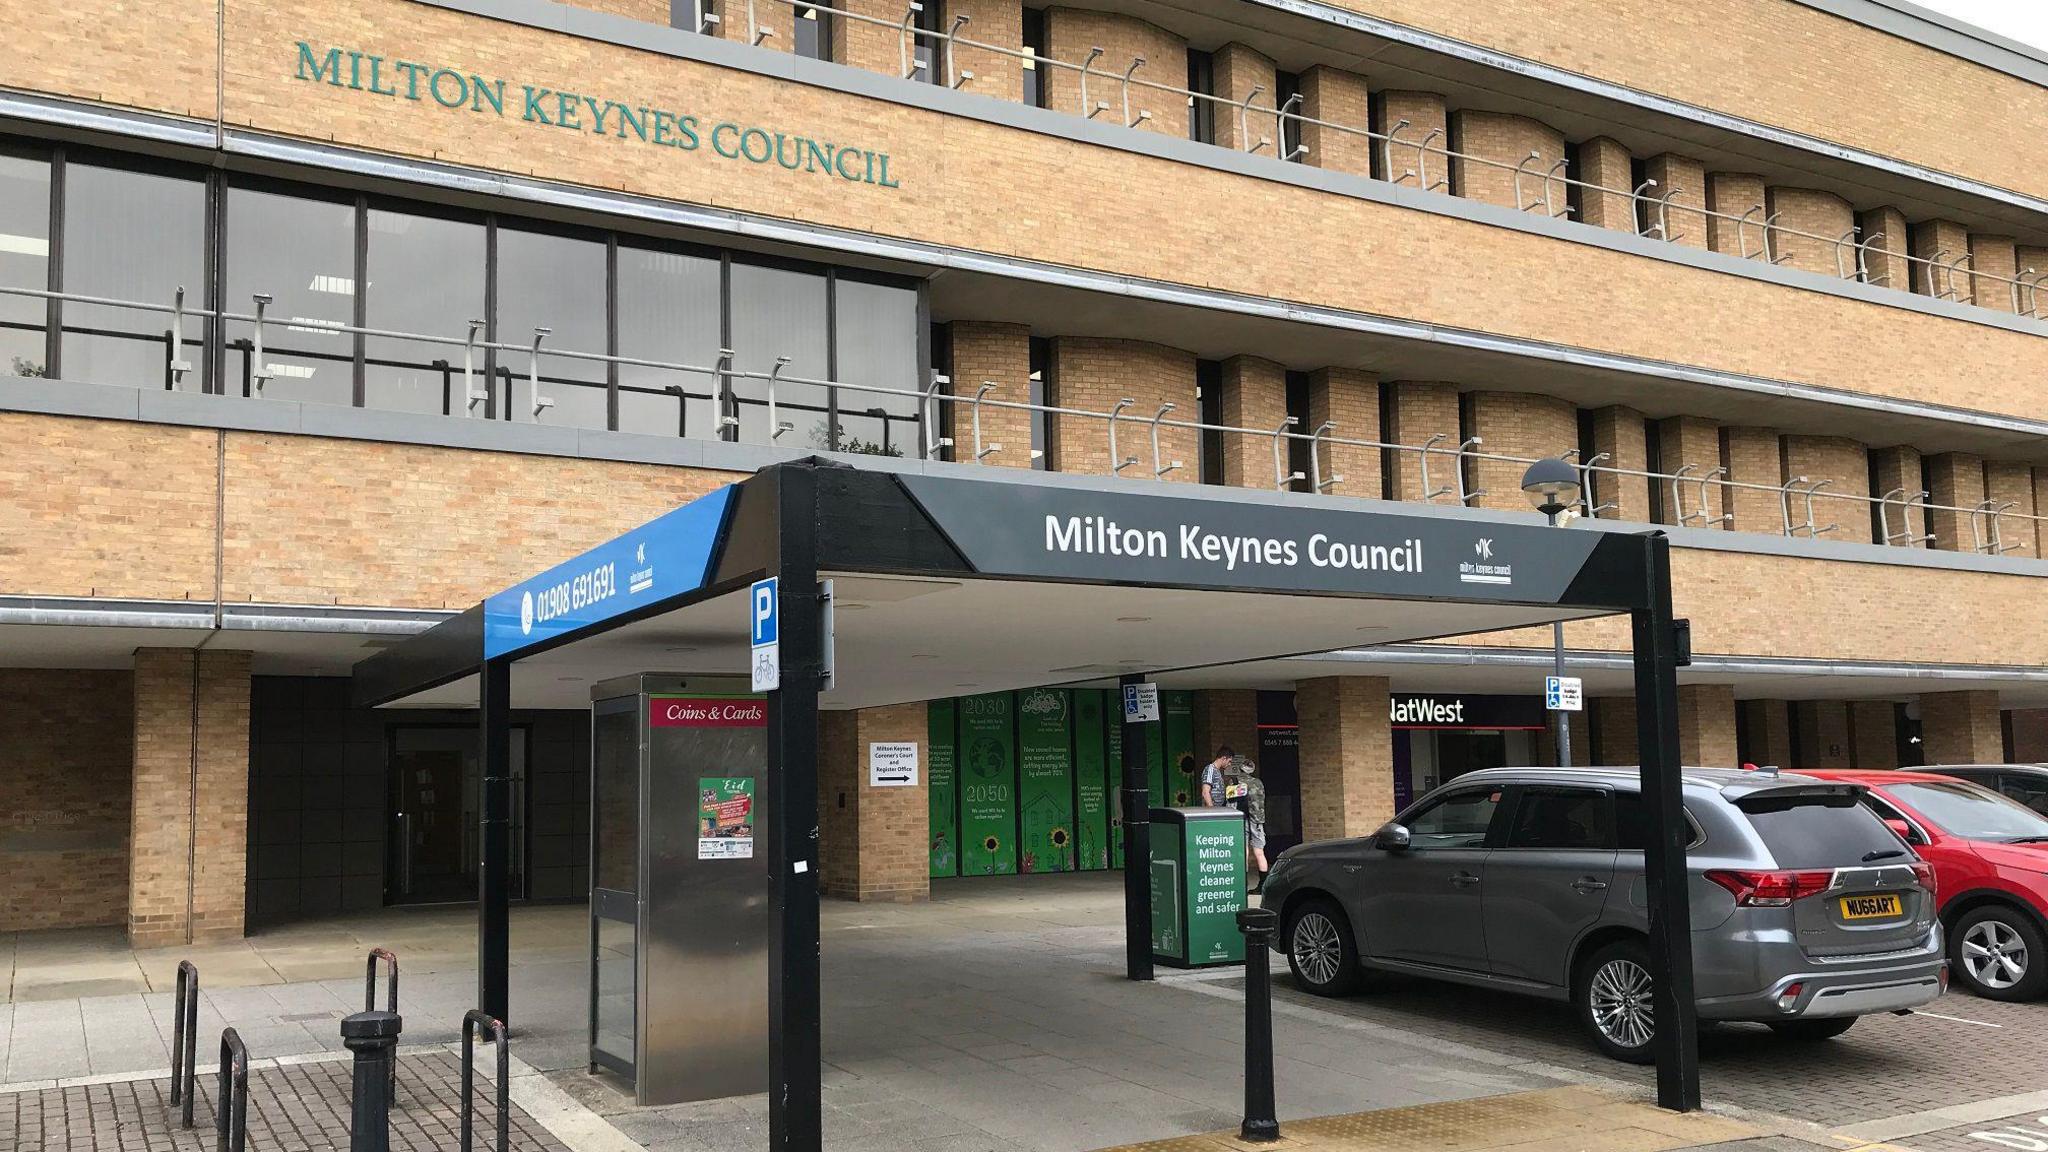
[
  {"x": 474, "y": 1021},
  {"x": 938, "y": 406},
  {"x": 1650, "y": 202},
  {"x": 185, "y": 1041},
  {"x": 231, "y": 1116}
]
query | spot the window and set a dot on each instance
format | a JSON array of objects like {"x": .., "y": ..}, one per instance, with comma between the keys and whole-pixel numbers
[
  {"x": 2029, "y": 790},
  {"x": 555, "y": 282},
  {"x": 1041, "y": 395},
  {"x": 668, "y": 310},
  {"x": 1036, "y": 78},
  {"x": 1287, "y": 90},
  {"x": 928, "y": 52},
  {"x": 1632, "y": 829},
  {"x": 24, "y": 263},
  {"x": 693, "y": 15},
  {"x": 813, "y": 34},
  {"x": 1828, "y": 831},
  {"x": 875, "y": 326},
  {"x": 423, "y": 274},
  {"x": 1209, "y": 391},
  {"x": 1562, "y": 818},
  {"x": 780, "y": 312},
  {"x": 1973, "y": 813},
  {"x": 132, "y": 235},
  {"x": 1459, "y": 820},
  {"x": 1201, "y": 113},
  {"x": 1886, "y": 812},
  {"x": 302, "y": 254}
]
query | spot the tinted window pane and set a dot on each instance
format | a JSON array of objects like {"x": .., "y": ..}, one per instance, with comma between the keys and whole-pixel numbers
[
  {"x": 24, "y": 262},
  {"x": 301, "y": 253},
  {"x": 2029, "y": 790},
  {"x": 1632, "y": 829},
  {"x": 1457, "y": 821},
  {"x": 553, "y": 282},
  {"x": 131, "y": 236},
  {"x": 777, "y": 312},
  {"x": 1561, "y": 818},
  {"x": 425, "y": 276},
  {"x": 876, "y": 326},
  {"x": 1835, "y": 833},
  {"x": 1971, "y": 812},
  {"x": 668, "y": 311}
]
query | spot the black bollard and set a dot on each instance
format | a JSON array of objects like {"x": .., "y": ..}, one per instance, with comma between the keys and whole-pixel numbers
[
  {"x": 373, "y": 1037},
  {"x": 1260, "y": 1124}
]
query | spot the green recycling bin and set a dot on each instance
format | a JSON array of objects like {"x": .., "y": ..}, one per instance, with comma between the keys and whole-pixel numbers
[{"x": 1198, "y": 886}]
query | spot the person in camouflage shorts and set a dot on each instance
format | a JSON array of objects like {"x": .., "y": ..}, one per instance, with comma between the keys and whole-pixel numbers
[{"x": 1241, "y": 779}]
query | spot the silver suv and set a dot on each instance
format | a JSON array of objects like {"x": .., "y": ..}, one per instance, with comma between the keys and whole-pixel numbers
[{"x": 1807, "y": 912}]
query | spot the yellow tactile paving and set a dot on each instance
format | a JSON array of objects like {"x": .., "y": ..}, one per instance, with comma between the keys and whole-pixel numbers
[{"x": 1552, "y": 1120}]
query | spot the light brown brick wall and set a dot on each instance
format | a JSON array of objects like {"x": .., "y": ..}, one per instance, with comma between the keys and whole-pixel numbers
[
  {"x": 1253, "y": 394},
  {"x": 1238, "y": 71},
  {"x": 1092, "y": 375},
  {"x": 1071, "y": 32},
  {"x": 1335, "y": 96},
  {"x": 1770, "y": 727},
  {"x": 1823, "y": 734},
  {"x": 1941, "y": 242},
  {"x": 1347, "y": 756},
  {"x": 1426, "y": 114},
  {"x": 1518, "y": 424},
  {"x": 1993, "y": 267},
  {"x": 1682, "y": 185},
  {"x": 1619, "y": 432},
  {"x": 874, "y": 842},
  {"x": 1605, "y": 163},
  {"x": 1505, "y": 140},
  {"x": 1955, "y": 480},
  {"x": 1802, "y": 216},
  {"x": 1898, "y": 469},
  {"x": 873, "y": 47},
  {"x": 1614, "y": 725},
  {"x": 1873, "y": 734},
  {"x": 1350, "y": 398},
  {"x": 1734, "y": 194},
  {"x": 2009, "y": 482},
  {"x": 1845, "y": 464},
  {"x": 2040, "y": 503},
  {"x": 1684, "y": 440},
  {"x": 186, "y": 883},
  {"x": 998, "y": 354},
  {"x": 998, "y": 22},
  {"x": 1706, "y": 725},
  {"x": 1227, "y": 716},
  {"x": 1420, "y": 412},
  {"x": 1961, "y": 728},
  {"x": 650, "y": 11},
  {"x": 1886, "y": 239},
  {"x": 66, "y": 751},
  {"x": 1753, "y": 456}
]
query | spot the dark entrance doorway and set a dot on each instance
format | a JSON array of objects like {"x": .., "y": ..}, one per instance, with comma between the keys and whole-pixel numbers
[
  {"x": 1279, "y": 759},
  {"x": 435, "y": 784}
]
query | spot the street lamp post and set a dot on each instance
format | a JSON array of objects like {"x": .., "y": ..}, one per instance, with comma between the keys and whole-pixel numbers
[{"x": 1553, "y": 485}]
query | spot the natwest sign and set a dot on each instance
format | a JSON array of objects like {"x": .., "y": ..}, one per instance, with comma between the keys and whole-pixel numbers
[
  {"x": 1496, "y": 713},
  {"x": 707, "y": 712}
]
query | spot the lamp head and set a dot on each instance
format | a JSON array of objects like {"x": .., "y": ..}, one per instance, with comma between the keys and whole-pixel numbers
[{"x": 1551, "y": 485}]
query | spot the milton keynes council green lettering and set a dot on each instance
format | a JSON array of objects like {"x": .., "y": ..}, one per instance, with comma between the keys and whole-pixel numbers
[{"x": 450, "y": 88}]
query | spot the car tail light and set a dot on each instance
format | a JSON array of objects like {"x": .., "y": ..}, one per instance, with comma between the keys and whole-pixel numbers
[
  {"x": 1789, "y": 998},
  {"x": 1770, "y": 889},
  {"x": 1924, "y": 873}
]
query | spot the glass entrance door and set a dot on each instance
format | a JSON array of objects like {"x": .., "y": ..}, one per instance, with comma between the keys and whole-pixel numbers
[
  {"x": 614, "y": 884},
  {"x": 435, "y": 785}
]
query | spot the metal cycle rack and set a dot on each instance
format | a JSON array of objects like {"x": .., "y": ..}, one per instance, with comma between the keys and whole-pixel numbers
[
  {"x": 473, "y": 1021},
  {"x": 391, "y": 993},
  {"x": 1905, "y": 536},
  {"x": 231, "y": 1120},
  {"x": 185, "y": 1041}
]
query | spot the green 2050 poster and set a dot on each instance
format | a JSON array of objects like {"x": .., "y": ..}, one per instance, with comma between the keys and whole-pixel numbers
[
  {"x": 942, "y": 780},
  {"x": 1045, "y": 779},
  {"x": 988, "y": 783}
]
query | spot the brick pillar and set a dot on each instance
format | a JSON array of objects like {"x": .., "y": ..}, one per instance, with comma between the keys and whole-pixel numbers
[
  {"x": 1682, "y": 185},
  {"x": 1706, "y": 725},
  {"x": 1605, "y": 163},
  {"x": 2008, "y": 480},
  {"x": 1961, "y": 728},
  {"x": 874, "y": 843},
  {"x": 1885, "y": 238},
  {"x": 998, "y": 354},
  {"x": 1614, "y": 725},
  {"x": 988, "y": 22},
  {"x": 1520, "y": 424},
  {"x": 2040, "y": 502},
  {"x": 1846, "y": 465},
  {"x": 1092, "y": 375},
  {"x": 1691, "y": 440},
  {"x": 1238, "y": 70},
  {"x": 1226, "y": 716},
  {"x": 1823, "y": 217},
  {"x": 1993, "y": 264},
  {"x": 1770, "y": 728},
  {"x": 1946, "y": 240},
  {"x": 1425, "y": 114},
  {"x": 1253, "y": 395},
  {"x": 1347, "y": 756},
  {"x": 1071, "y": 33},
  {"x": 1753, "y": 456},
  {"x": 859, "y": 43},
  {"x": 1898, "y": 469},
  {"x": 1620, "y": 433},
  {"x": 1335, "y": 96},
  {"x": 1733, "y": 194},
  {"x": 1505, "y": 139},
  {"x": 1350, "y": 398},
  {"x": 1955, "y": 479},
  {"x": 1873, "y": 734},
  {"x": 189, "y": 831},
  {"x": 2029, "y": 735},
  {"x": 1823, "y": 733},
  {"x": 773, "y": 17},
  {"x": 1420, "y": 412}
]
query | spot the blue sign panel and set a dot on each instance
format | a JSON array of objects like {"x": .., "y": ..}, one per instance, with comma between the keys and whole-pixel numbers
[
  {"x": 664, "y": 557},
  {"x": 763, "y": 613}
]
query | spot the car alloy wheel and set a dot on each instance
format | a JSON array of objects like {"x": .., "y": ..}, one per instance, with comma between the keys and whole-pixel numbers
[
  {"x": 1995, "y": 954},
  {"x": 1318, "y": 948},
  {"x": 1620, "y": 1000}
]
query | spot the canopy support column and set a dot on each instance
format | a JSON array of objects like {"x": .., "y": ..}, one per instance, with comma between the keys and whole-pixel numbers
[
  {"x": 1137, "y": 807},
  {"x": 795, "y": 1044},
  {"x": 494, "y": 875}
]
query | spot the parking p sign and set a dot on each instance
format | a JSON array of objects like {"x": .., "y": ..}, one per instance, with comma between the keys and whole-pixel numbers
[
  {"x": 1563, "y": 694},
  {"x": 763, "y": 614}
]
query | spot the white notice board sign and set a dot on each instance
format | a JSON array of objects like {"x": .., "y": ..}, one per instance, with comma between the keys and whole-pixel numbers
[{"x": 892, "y": 764}]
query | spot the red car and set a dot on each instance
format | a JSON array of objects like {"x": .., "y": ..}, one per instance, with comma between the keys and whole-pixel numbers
[{"x": 1990, "y": 857}]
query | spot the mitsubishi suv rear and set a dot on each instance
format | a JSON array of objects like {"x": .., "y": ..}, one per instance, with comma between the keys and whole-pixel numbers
[{"x": 1807, "y": 911}]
